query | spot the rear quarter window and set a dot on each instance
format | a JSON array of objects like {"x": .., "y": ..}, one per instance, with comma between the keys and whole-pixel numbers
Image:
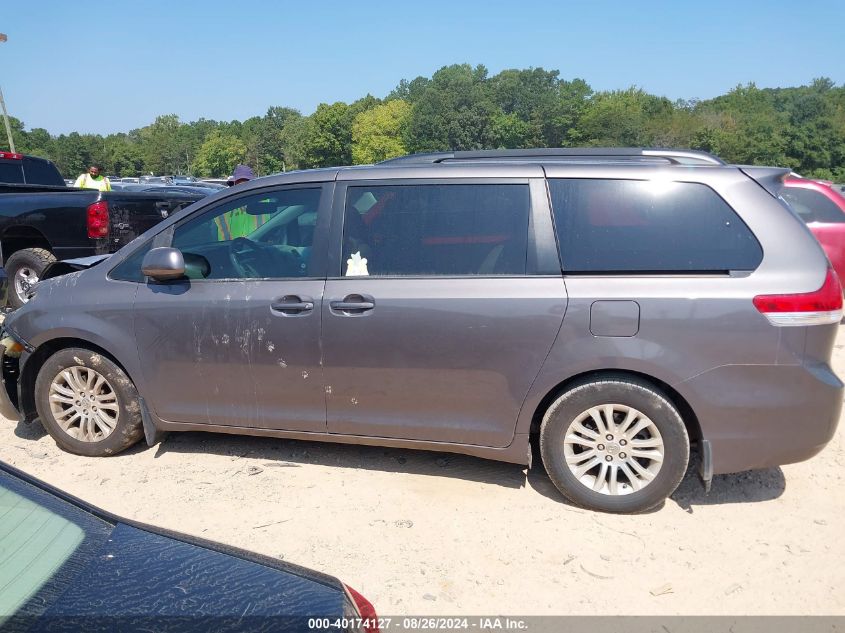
[
  {"x": 644, "y": 226},
  {"x": 812, "y": 206}
]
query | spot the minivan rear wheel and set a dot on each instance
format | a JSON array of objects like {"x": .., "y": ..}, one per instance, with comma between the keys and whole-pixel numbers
[
  {"x": 614, "y": 445},
  {"x": 87, "y": 403}
]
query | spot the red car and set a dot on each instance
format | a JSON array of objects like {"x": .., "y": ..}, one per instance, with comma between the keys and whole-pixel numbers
[{"x": 822, "y": 207}]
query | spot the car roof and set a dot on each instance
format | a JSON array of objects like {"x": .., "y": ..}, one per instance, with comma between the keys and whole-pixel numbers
[{"x": 591, "y": 162}]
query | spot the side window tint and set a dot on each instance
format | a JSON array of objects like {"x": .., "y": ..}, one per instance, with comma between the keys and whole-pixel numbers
[
  {"x": 648, "y": 226},
  {"x": 449, "y": 229},
  {"x": 260, "y": 236},
  {"x": 812, "y": 206},
  {"x": 130, "y": 268}
]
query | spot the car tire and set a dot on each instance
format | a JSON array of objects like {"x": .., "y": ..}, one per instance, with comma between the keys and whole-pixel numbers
[
  {"x": 87, "y": 403},
  {"x": 629, "y": 467},
  {"x": 24, "y": 268}
]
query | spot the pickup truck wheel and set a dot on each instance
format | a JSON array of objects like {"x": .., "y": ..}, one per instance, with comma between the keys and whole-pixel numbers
[
  {"x": 24, "y": 269},
  {"x": 615, "y": 444},
  {"x": 87, "y": 403}
]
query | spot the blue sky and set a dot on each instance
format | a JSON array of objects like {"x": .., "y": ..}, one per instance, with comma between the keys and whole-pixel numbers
[{"x": 114, "y": 66}]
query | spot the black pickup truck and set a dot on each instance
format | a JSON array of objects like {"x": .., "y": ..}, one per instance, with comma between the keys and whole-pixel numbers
[{"x": 42, "y": 220}]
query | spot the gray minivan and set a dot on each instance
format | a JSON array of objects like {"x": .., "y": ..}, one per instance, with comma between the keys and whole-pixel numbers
[{"x": 620, "y": 306}]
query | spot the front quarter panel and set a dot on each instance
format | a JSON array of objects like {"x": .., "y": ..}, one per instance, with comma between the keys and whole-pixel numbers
[{"x": 86, "y": 306}]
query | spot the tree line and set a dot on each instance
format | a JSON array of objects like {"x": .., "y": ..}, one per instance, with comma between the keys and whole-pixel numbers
[{"x": 461, "y": 107}]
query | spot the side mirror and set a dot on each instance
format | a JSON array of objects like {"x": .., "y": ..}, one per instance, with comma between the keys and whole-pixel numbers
[{"x": 164, "y": 263}]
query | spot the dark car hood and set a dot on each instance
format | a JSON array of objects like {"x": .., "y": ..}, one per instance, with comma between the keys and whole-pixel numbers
[
  {"x": 139, "y": 575},
  {"x": 124, "y": 576}
]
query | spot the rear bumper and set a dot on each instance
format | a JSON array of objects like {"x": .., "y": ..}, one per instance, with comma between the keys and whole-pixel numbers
[{"x": 759, "y": 416}]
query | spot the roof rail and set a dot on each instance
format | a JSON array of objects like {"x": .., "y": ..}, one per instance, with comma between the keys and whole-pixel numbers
[{"x": 673, "y": 156}]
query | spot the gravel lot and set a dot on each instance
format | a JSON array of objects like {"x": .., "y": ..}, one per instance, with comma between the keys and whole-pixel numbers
[{"x": 426, "y": 533}]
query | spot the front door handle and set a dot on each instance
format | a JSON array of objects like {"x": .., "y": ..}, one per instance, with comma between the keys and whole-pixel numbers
[
  {"x": 292, "y": 304},
  {"x": 353, "y": 304}
]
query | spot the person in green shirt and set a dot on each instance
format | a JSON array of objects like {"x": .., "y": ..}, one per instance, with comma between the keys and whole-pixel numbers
[
  {"x": 93, "y": 180},
  {"x": 237, "y": 222}
]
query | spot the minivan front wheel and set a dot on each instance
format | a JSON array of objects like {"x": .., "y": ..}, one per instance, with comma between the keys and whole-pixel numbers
[
  {"x": 87, "y": 403},
  {"x": 614, "y": 444}
]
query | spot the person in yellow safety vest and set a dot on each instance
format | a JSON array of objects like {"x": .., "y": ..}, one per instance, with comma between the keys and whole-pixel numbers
[
  {"x": 237, "y": 222},
  {"x": 93, "y": 180}
]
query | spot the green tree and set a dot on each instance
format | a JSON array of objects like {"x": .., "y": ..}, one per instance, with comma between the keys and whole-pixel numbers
[
  {"x": 622, "y": 118},
  {"x": 265, "y": 148},
  {"x": 298, "y": 137},
  {"x": 462, "y": 107},
  {"x": 453, "y": 111},
  {"x": 219, "y": 154},
  {"x": 377, "y": 134},
  {"x": 331, "y": 144},
  {"x": 166, "y": 147},
  {"x": 18, "y": 135}
]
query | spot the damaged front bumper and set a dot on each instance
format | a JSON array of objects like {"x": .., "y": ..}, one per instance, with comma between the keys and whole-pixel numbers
[
  {"x": 10, "y": 356},
  {"x": 9, "y": 373}
]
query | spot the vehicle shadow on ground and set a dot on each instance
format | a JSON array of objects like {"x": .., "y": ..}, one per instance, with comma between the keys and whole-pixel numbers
[
  {"x": 30, "y": 430},
  {"x": 748, "y": 487},
  {"x": 296, "y": 453}
]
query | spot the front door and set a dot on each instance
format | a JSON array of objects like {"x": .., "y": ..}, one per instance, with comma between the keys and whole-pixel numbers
[
  {"x": 237, "y": 343},
  {"x": 438, "y": 322}
]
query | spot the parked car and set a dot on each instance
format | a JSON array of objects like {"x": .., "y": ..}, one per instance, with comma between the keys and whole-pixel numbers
[
  {"x": 70, "y": 566},
  {"x": 161, "y": 180},
  {"x": 156, "y": 188},
  {"x": 215, "y": 181},
  {"x": 623, "y": 307},
  {"x": 42, "y": 220},
  {"x": 192, "y": 189},
  {"x": 822, "y": 208},
  {"x": 181, "y": 180}
]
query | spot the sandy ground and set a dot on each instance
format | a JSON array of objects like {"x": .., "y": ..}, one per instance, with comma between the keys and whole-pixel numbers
[{"x": 426, "y": 533}]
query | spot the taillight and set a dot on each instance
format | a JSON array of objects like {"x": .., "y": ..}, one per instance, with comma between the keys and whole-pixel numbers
[
  {"x": 98, "y": 219},
  {"x": 820, "y": 307},
  {"x": 11, "y": 156},
  {"x": 366, "y": 611}
]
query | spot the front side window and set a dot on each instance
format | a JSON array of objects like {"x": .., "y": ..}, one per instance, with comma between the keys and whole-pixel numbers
[
  {"x": 648, "y": 226},
  {"x": 812, "y": 206},
  {"x": 436, "y": 229},
  {"x": 259, "y": 236},
  {"x": 130, "y": 268}
]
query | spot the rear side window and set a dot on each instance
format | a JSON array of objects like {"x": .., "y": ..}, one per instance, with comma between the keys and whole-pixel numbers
[
  {"x": 812, "y": 206},
  {"x": 41, "y": 172},
  {"x": 11, "y": 171},
  {"x": 609, "y": 226},
  {"x": 436, "y": 229}
]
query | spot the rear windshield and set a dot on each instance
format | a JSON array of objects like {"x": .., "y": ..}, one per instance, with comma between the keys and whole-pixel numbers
[
  {"x": 41, "y": 172},
  {"x": 11, "y": 171},
  {"x": 643, "y": 226},
  {"x": 812, "y": 206}
]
